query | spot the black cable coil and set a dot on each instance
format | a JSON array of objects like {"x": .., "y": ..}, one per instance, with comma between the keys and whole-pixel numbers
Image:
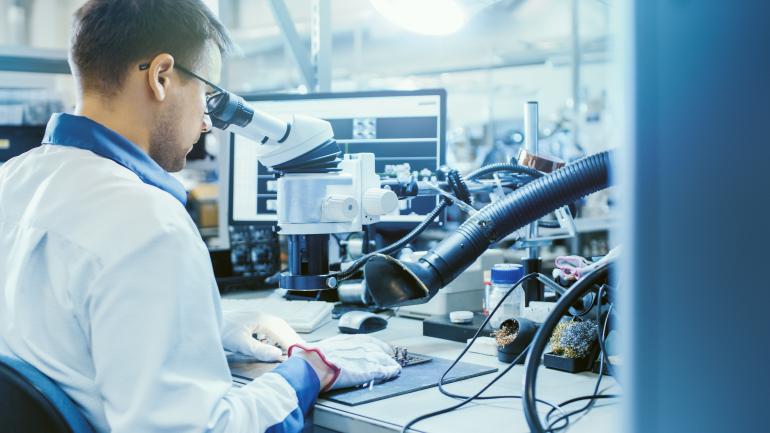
[{"x": 458, "y": 186}]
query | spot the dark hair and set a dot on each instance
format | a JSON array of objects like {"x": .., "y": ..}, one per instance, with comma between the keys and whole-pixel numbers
[{"x": 110, "y": 36}]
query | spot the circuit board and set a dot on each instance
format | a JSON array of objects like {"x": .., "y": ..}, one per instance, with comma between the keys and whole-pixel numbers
[{"x": 413, "y": 359}]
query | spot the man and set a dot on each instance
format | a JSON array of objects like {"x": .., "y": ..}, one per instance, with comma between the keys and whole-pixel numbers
[{"x": 105, "y": 285}]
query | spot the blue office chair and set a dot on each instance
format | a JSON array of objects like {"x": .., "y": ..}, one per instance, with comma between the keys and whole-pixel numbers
[{"x": 31, "y": 402}]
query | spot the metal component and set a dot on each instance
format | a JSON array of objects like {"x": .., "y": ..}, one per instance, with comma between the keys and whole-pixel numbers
[
  {"x": 353, "y": 293},
  {"x": 533, "y": 289},
  {"x": 291, "y": 37},
  {"x": 303, "y": 283},
  {"x": 470, "y": 210},
  {"x": 321, "y": 45},
  {"x": 331, "y": 282},
  {"x": 576, "y": 54},
  {"x": 551, "y": 284},
  {"x": 566, "y": 222},
  {"x": 308, "y": 260},
  {"x": 403, "y": 357},
  {"x": 539, "y": 162},
  {"x": 531, "y": 145},
  {"x": 498, "y": 185},
  {"x": 339, "y": 208},
  {"x": 531, "y": 127}
]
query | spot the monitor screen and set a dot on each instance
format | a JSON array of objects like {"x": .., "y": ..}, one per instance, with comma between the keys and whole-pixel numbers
[
  {"x": 397, "y": 126},
  {"x": 17, "y": 139}
]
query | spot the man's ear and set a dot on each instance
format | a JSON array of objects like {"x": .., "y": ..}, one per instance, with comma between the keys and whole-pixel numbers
[{"x": 159, "y": 75}]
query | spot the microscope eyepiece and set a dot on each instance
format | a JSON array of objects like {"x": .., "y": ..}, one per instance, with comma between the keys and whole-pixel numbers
[{"x": 227, "y": 109}]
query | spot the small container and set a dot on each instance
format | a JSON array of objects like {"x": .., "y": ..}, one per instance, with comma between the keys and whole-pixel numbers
[
  {"x": 525, "y": 331},
  {"x": 487, "y": 292},
  {"x": 570, "y": 365},
  {"x": 504, "y": 276}
]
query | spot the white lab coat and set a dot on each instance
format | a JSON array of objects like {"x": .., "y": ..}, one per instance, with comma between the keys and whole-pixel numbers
[{"x": 107, "y": 288}]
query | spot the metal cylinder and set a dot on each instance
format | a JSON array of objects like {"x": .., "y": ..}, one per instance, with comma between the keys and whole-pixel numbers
[
  {"x": 531, "y": 144},
  {"x": 353, "y": 293},
  {"x": 531, "y": 127},
  {"x": 308, "y": 254}
]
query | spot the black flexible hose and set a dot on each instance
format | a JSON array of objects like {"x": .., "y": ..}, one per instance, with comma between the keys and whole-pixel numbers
[
  {"x": 392, "y": 283},
  {"x": 528, "y": 203},
  {"x": 519, "y": 169},
  {"x": 542, "y": 337},
  {"x": 503, "y": 166},
  {"x": 549, "y": 224}
]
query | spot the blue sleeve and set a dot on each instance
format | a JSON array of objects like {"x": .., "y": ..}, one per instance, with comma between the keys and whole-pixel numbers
[{"x": 300, "y": 376}]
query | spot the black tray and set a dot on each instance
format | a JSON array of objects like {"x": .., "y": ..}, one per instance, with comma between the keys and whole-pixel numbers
[{"x": 570, "y": 365}]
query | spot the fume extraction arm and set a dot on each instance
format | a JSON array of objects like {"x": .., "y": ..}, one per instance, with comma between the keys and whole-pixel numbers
[{"x": 392, "y": 282}]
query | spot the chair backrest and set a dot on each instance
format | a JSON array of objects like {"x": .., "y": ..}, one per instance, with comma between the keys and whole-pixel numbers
[{"x": 31, "y": 402}]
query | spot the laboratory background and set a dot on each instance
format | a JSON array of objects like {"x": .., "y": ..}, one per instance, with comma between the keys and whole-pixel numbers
[{"x": 552, "y": 211}]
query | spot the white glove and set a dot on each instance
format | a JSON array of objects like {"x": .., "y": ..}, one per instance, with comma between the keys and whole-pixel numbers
[
  {"x": 360, "y": 358},
  {"x": 239, "y": 327}
]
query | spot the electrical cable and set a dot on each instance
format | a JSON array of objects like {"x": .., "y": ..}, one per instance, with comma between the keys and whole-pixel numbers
[
  {"x": 585, "y": 310},
  {"x": 518, "y": 169},
  {"x": 503, "y": 166},
  {"x": 602, "y": 344},
  {"x": 458, "y": 186},
  {"x": 543, "y": 335},
  {"x": 477, "y": 396},
  {"x": 565, "y": 417},
  {"x": 591, "y": 398},
  {"x": 409, "y": 237},
  {"x": 441, "y": 382}
]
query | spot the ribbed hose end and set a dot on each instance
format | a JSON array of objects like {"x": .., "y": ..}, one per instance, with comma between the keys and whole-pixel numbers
[{"x": 392, "y": 283}]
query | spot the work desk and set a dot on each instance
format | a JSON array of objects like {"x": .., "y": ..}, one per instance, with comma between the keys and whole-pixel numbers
[{"x": 504, "y": 415}]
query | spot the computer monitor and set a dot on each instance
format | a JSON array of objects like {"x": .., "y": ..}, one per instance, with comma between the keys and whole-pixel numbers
[
  {"x": 17, "y": 139},
  {"x": 397, "y": 126}
]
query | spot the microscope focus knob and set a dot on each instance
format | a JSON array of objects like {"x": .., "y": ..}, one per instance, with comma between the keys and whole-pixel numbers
[
  {"x": 338, "y": 208},
  {"x": 378, "y": 201}
]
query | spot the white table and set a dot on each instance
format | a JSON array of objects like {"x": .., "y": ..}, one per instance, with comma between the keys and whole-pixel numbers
[{"x": 506, "y": 415}]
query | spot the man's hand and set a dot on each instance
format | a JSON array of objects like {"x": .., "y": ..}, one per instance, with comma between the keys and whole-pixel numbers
[
  {"x": 240, "y": 326},
  {"x": 359, "y": 358}
]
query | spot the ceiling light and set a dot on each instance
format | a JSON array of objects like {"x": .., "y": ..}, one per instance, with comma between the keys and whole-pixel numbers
[{"x": 427, "y": 17}]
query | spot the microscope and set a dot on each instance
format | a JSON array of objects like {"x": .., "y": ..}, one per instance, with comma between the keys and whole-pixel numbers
[{"x": 319, "y": 193}]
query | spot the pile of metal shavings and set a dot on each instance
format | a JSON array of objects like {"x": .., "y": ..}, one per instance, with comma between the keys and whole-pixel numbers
[
  {"x": 555, "y": 342},
  {"x": 574, "y": 339},
  {"x": 508, "y": 332}
]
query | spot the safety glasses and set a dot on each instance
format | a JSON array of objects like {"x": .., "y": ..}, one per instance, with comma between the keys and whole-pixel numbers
[{"x": 209, "y": 96}]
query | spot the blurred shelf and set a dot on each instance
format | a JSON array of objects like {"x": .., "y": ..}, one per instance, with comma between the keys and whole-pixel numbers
[{"x": 26, "y": 59}]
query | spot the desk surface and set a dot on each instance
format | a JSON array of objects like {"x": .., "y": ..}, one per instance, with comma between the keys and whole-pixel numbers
[{"x": 493, "y": 415}]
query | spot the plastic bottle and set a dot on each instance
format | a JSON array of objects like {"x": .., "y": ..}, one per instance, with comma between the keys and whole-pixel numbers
[{"x": 504, "y": 276}]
